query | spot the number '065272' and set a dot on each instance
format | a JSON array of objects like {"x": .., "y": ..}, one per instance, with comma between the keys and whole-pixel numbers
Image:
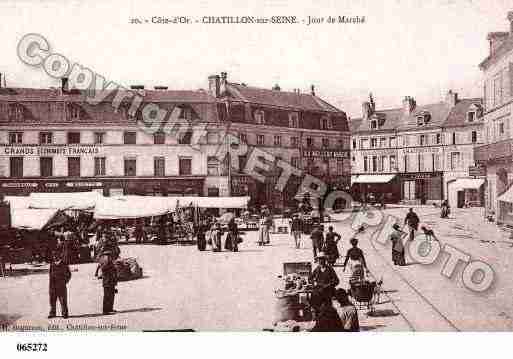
[{"x": 32, "y": 347}]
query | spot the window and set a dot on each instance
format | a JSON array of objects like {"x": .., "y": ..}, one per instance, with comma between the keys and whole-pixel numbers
[
  {"x": 354, "y": 144},
  {"x": 159, "y": 166},
  {"x": 294, "y": 141},
  {"x": 365, "y": 164},
  {"x": 309, "y": 142},
  {"x": 383, "y": 164},
  {"x": 374, "y": 142},
  {"x": 99, "y": 137},
  {"x": 392, "y": 142},
  {"x": 277, "y": 140},
  {"x": 294, "y": 161},
  {"x": 501, "y": 128},
  {"x": 185, "y": 138},
  {"x": 259, "y": 117},
  {"x": 129, "y": 138},
  {"x": 340, "y": 166},
  {"x": 454, "y": 138},
  {"x": 405, "y": 163},
  {"x": 382, "y": 142},
  {"x": 438, "y": 139},
  {"x": 99, "y": 166},
  {"x": 213, "y": 138},
  {"x": 325, "y": 142},
  {"x": 471, "y": 116},
  {"x": 497, "y": 90},
  {"x": 159, "y": 138},
  {"x": 374, "y": 124},
  {"x": 364, "y": 143},
  {"x": 186, "y": 113},
  {"x": 393, "y": 164},
  {"x": 421, "y": 162},
  {"x": 213, "y": 192},
  {"x": 15, "y": 112},
  {"x": 260, "y": 140},
  {"x": 374, "y": 163},
  {"x": 185, "y": 166},
  {"x": 406, "y": 140},
  {"x": 242, "y": 162},
  {"x": 423, "y": 119},
  {"x": 455, "y": 160},
  {"x": 73, "y": 137},
  {"x": 15, "y": 138},
  {"x": 436, "y": 162},
  {"x": 422, "y": 140},
  {"x": 243, "y": 138},
  {"x": 130, "y": 167},
  {"x": 16, "y": 166},
  {"x": 45, "y": 138},
  {"x": 74, "y": 166},
  {"x": 293, "y": 120},
  {"x": 474, "y": 136},
  {"x": 46, "y": 166},
  {"x": 325, "y": 123},
  {"x": 213, "y": 165},
  {"x": 74, "y": 112},
  {"x": 420, "y": 120}
]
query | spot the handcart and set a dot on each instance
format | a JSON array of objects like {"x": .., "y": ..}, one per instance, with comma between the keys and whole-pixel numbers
[{"x": 365, "y": 294}]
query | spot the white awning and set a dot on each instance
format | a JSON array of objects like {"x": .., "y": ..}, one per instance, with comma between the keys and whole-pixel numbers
[
  {"x": 372, "y": 179},
  {"x": 31, "y": 219},
  {"x": 467, "y": 183},
  {"x": 71, "y": 200},
  {"x": 507, "y": 196}
]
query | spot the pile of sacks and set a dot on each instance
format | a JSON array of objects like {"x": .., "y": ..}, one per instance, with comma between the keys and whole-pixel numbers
[{"x": 128, "y": 269}]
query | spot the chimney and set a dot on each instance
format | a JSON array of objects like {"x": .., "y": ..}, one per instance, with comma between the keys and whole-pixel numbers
[
  {"x": 137, "y": 87},
  {"x": 451, "y": 98},
  {"x": 223, "y": 83},
  {"x": 366, "y": 110},
  {"x": 312, "y": 90},
  {"x": 510, "y": 19},
  {"x": 496, "y": 39},
  {"x": 213, "y": 85},
  {"x": 64, "y": 84},
  {"x": 408, "y": 105},
  {"x": 276, "y": 87},
  {"x": 160, "y": 88}
]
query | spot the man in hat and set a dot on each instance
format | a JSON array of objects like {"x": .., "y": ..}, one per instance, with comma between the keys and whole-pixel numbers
[
  {"x": 59, "y": 275},
  {"x": 109, "y": 280},
  {"x": 412, "y": 220},
  {"x": 347, "y": 312},
  {"x": 295, "y": 229},
  {"x": 396, "y": 237},
  {"x": 317, "y": 240},
  {"x": 323, "y": 277}
]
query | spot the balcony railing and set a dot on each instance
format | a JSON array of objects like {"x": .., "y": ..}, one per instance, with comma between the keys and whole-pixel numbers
[{"x": 493, "y": 151}]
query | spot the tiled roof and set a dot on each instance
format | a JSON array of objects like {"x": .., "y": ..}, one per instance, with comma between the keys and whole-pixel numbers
[
  {"x": 438, "y": 111},
  {"x": 458, "y": 114},
  {"x": 301, "y": 101},
  {"x": 354, "y": 124},
  {"x": 389, "y": 120},
  {"x": 503, "y": 49}
]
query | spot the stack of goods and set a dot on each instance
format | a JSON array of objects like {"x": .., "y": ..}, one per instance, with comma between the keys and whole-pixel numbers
[{"x": 128, "y": 269}]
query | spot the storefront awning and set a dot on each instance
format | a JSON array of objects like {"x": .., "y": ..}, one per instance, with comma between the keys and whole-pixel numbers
[
  {"x": 467, "y": 183},
  {"x": 507, "y": 196},
  {"x": 372, "y": 179}
]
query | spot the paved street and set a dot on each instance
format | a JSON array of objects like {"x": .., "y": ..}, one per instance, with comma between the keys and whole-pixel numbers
[{"x": 183, "y": 288}]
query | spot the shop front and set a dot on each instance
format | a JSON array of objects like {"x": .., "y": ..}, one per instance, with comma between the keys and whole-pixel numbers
[
  {"x": 421, "y": 187},
  {"x": 466, "y": 192},
  {"x": 165, "y": 186},
  {"x": 375, "y": 188}
]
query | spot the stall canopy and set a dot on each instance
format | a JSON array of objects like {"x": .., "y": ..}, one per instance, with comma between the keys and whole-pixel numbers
[
  {"x": 507, "y": 196},
  {"x": 32, "y": 219},
  {"x": 217, "y": 202},
  {"x": 130, "y": 207},
  {"x": 468, "y": 183},
  {"x": 372, "y": 179},
  {"x": 72, "y": 200},
  {"x": 18, "y": 201}
]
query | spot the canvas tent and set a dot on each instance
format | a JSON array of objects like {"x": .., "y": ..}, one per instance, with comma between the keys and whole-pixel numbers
[
  {"x": 130, "y": 207},
  {"x": 72, "y": 200},
  {"x": 32, "y": 219}
]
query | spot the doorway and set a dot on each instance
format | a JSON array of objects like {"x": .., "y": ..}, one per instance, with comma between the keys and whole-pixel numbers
[{"x": 461, "y": 199}]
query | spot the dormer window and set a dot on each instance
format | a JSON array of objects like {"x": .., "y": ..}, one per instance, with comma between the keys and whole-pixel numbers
[
  {"x": 185, "y": 113},
  {"x": 259, "y": 117},
  {"x": 423, "y": 119},
  {"x": 325, "y": 123},
  {"x": 73, "y": 112},
  {"x": 374, "y": 124},
  {"x": 293, "y": 120},
  {"x": 474, "y": 113}
]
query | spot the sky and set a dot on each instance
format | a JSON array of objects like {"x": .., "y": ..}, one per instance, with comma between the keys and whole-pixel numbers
[{"x": 404, "y": 48}]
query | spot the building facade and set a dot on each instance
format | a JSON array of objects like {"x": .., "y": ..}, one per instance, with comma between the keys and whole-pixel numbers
[
  {"x": 419, "y": 154},
  {"x": 497, "y": 152},
  {"x": 56, "y": 140}
]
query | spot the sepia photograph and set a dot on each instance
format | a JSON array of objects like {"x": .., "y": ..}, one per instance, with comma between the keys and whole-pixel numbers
[{"x": 329, "y": 166}]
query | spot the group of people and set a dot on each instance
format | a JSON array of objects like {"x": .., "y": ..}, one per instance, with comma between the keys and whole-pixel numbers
[
  {"x": 211, "y": 232},
  {"x": 60, "y": 275}
]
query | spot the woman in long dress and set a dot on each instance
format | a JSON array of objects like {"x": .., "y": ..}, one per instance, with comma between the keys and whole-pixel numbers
[
  {"x": 263, "y": 232},
  {"x": 397, "y": 245}
]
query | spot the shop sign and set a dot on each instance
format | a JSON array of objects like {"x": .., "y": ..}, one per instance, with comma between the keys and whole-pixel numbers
[
  {"x": 73, "y": 150},
  {"x": 477, "y": 171},
  {"x": 420, "y": 175},
  {"x": 84, "y": 184},
  {"x": 20, "y": 185},
  {"x": 326, "y": 154},
  {"x": 422, "y": 150}
]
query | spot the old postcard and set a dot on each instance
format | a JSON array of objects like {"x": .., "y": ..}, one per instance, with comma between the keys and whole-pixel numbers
[{"x": 309, "y": 166}]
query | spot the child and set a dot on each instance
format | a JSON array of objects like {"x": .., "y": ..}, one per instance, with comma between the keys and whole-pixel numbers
[{"x": 430, "y": 235}]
